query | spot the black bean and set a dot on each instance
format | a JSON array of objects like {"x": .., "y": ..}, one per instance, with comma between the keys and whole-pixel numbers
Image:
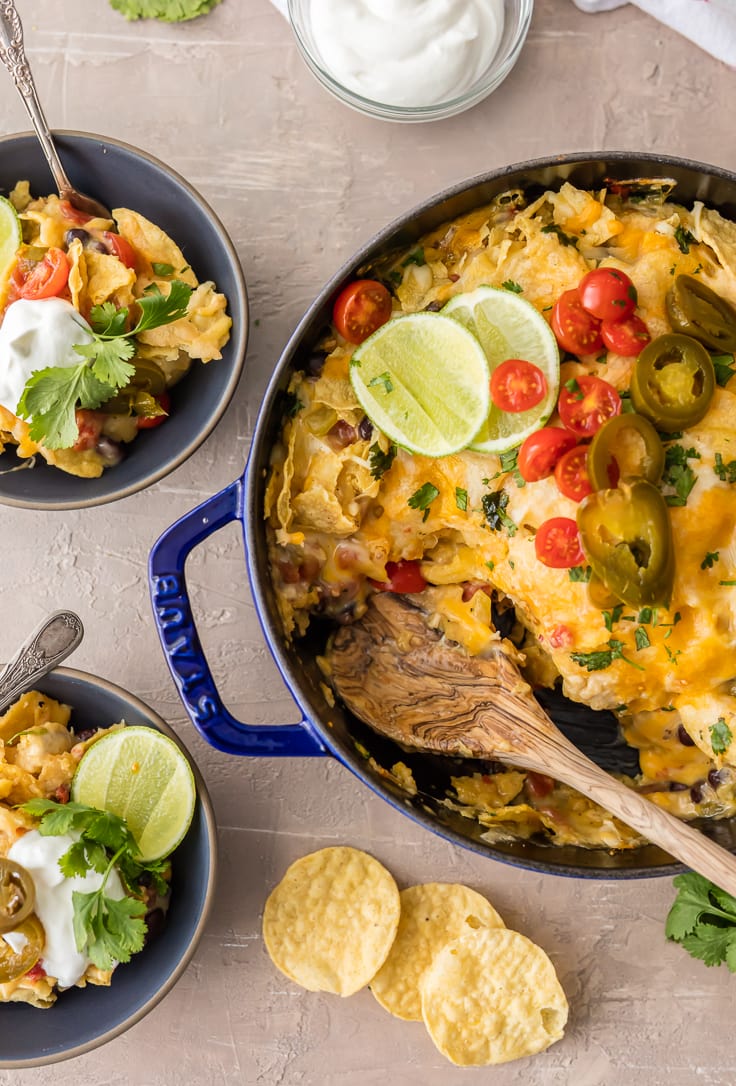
[
  {"x": 716, "y": 777},
  {"x": 155, "y": 923},
  {"x": 365, "y": 428},
  {"x": 76, "y": 235},
  {"x": 110, "y": 451},
  {"x": 84, "y": 734},
  {"x": 314, "y": 363},
  {"x": 684, "y": 738},
  {"x": 433, "y": 307},
  {"x": 696, "y": 792}
]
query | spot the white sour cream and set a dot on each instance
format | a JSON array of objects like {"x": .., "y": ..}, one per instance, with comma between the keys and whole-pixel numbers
[
  {"x": 34, "y": 335},
  {"x": 40, "y": 857},
  {"x": 407, "y": 52}
]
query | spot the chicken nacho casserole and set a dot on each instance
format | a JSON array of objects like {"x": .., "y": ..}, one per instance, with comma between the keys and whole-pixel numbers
[
  {"x": 595, "y": 540},
  {"x": 99, "y": 318}
]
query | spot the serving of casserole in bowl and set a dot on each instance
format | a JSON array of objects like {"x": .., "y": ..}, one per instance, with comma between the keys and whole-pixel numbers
[{"x": 580, "y": 517}]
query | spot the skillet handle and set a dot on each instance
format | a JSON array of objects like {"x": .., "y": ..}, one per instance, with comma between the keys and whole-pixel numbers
[{"x": 182, "y": 648}]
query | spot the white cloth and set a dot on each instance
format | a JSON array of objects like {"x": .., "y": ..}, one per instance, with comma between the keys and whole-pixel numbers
[{"x": 711, "y": 24}]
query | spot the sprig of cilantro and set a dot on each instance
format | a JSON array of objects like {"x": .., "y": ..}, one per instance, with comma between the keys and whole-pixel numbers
[
  {"x": 703, "y": 920},
  {"x": 52, "y": 395},
  {"x": 108, "y": 930},
  {"x": 168, "y": 11}
]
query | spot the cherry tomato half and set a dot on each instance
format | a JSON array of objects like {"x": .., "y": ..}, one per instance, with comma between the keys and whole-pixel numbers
[
  {"x": 71, "y": 214},
  {"x": 539, "y": 785},
  {"x": 360, "y": 309},
  {"x": 557, "y": 543},
  {"x": 517, "y": 385},
  {"x": 121, "y": 248},
  {"x": 541, "y": 450},
  {"x": 48, "y": 278},
  {"x": 627, "y": 337},
  {"x": 150, "y": 422},
  {"x": 571, "y": 474},
  {"x": 608, "y": 294},
  {"x": 404, "y": 577},
  {"x": 586, "y": 403},
  {"x": 576, "y": 330}
]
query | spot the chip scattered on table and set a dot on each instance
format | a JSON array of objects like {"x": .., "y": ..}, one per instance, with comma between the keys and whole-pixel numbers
[
  {"x": 330, "y": 923},
  {"x": 432, "y": 914},
  {"x": 491, "y": 996}
]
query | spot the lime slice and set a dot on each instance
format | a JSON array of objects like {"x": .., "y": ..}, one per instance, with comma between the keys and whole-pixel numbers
[
  {"x": 142, "y": 776},
  {"x": 10, "y": 237},
  {"x": 507, "y": 326},
  {"x": 423, "y": 380}
]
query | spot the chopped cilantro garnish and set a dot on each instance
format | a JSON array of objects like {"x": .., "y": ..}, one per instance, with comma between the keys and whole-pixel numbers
[
  {"x": 725, "y": 368},
  {"x": 574, "y": 388},
  {"x": 509, "y": 284},
  {"x": 380, "y": 461},
  {"x": 709, "y": 560},
  {"x": 415, "y": 257},
  {"x": 563, "y": 238},
  {"x": 641, "y": 637},
  {"x": 423, "y": 498},
  {"x": 603, "y": 658},
  {"x": 494, "y": 510},
  {"x": 678, "y": 474},
  {"x": 610, "y": 618},
  {"x": 720, "y": 736},
  {"x": 162, "y": 269},
  {"x": 725, "y": 472},
  {"x": 384, "y": 380},
  {"x": 580, "y": 573},
  {"x": 684, "y": 238},
  {"x": 461, "y": 498}
]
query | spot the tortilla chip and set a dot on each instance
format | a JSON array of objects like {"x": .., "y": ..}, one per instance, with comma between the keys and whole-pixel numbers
[{"x": 153, "y": 244}]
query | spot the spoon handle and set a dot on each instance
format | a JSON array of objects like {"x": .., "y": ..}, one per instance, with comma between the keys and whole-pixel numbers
[
  {"x": 555, "y": 755},
  {"x": 13, "y": 56},
  {"x": 50, "y": 643}
]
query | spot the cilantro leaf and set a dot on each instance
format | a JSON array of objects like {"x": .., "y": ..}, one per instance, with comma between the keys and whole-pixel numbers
[
  {"x": 684, "y": 238},
  {"x": 168, "y": 11},
  {"x": 562, "y": 237},
  {"x": 162, "y": 269},
  {"x": 108, "y": 320},
  {"x": 50, "y": 400},
  {"x": 720, "y": 736},
  {"x": 423, "y": 498},
  {"x": 461, "y": 498},
  {"x": 723, "y": 364},
  {"x": 709, "y": 943},
  {"x": 158, "y": 308},
  {"x": 494, "y": 510},
  {"x": 691, "y": 902},
  {"x": 109, "y": 358},
  {"x": 509, "y": 284}
]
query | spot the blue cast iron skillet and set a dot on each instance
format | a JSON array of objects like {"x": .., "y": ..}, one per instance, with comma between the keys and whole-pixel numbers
[{"x": 332, "y": 730}]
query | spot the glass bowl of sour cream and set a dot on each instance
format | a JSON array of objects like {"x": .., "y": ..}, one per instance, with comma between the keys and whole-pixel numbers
[{"x": 410, "y": 60}]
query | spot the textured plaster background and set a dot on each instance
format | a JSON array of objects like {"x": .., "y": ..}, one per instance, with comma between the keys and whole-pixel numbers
[{"x": 300, "y": 182}]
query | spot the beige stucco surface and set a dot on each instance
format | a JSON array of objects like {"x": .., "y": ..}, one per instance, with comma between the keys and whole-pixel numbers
[{"x": 300, "y": 182}]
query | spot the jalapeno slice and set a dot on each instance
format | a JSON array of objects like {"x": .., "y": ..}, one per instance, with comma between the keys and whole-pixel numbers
[
  {"x": 627, "y": 539},
  {"x": 696, "y": 310},
  {"x": 624, "y": 447},
  {"x": 673, "y": 381},
  {"x": 17, "y": 894},
  {"x": 14, "y": 963}
]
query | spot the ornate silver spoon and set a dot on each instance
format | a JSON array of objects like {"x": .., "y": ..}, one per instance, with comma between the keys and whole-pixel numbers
[
  {"x": 50, "y": 643},
  {"x": 12, "y": 55}
]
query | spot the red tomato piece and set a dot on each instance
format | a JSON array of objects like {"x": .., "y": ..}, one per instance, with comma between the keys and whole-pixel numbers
[
  {"x": 404, "y": 577},
  {"x": 517, "y": 385},
  {"x": 89, "y": 425},
  {"x": 121, "y": 248},
  {"x": 557, "y": 543},
  {"x": 149, "y": 422},
  {"x": 576, "y": 330},
  {"x": 541, "y": 450},
  {"x": 586, "y": 403},
  {"x": 539, "y": 784},
  {"x": 48, "y": 278},
  {"x": 608, "y": 294},
  {"x": 627, "y": 337},
  {"x": 71, "y": 214},
  {"x": 561, "y": 637},
  {"x": 360, "y": 309},
  {"x": 571, "y": 474}
]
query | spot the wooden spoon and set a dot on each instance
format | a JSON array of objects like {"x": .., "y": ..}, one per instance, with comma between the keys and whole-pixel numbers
[{"x": 403, "y": 680}]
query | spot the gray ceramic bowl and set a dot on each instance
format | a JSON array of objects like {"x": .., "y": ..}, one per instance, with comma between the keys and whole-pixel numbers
[
  {"x": 121, "y": 176},
  {"x": 83, "y": 1018}
]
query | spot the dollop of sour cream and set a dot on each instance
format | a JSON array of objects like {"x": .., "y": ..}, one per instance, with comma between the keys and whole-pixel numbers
[
  {"x": 34, "y": 335},
  {"x": 54, "y": 907},
  {"x": 407, "y": 52}
]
